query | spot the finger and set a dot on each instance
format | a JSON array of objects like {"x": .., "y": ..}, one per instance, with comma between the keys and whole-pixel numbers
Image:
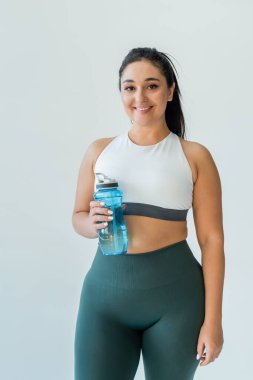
[
  {"x": 101, "y": 225},
  {"x": 95, "y": 204},
  {"x": 101, "y": 211},
  {"x": 209, "y": 357},
  {"x": 200, "y": 349},
  {"x": 102, "y": 218}
]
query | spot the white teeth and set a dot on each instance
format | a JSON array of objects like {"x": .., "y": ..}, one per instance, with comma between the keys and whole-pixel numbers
[{"x": 142, "y": 109}]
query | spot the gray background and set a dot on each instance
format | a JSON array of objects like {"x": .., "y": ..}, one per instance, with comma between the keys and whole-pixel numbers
[{"x": 59, "y": 91}]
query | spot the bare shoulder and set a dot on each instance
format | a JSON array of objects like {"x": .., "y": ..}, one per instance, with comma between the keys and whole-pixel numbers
[
  {"x": 102, "y": 141},
  {"x": 85, "y": 181},
  {"x": 195, "y": 148},
  {"x": 97, "y": 146},
  {"x": 198, "y": 155}
]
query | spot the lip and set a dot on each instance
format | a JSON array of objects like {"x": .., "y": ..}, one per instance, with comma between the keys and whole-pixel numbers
[
  {"x": 143, "y": 111},
  {"x": 142, "y": 106}
]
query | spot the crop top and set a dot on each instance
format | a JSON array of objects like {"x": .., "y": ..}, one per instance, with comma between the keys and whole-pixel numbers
[{"x": 156, "y": 180}]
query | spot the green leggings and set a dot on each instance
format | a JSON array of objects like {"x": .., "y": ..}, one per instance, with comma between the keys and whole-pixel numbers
[{"x": 151, "y": 303}]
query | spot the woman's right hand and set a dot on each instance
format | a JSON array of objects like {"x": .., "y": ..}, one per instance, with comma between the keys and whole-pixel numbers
[{"x": 100, "y": 216}]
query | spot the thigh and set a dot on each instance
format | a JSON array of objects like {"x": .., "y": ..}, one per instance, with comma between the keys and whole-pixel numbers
[
  {"x": 170, "y": 345},
  {"x": 104, "y": 348}
]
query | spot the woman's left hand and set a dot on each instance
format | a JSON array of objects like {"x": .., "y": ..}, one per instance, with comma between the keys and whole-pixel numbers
[{"x": 210, "y": 339}]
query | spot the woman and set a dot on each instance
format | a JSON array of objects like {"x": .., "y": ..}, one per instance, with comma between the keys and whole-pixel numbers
[{"x": 157, "y": 298}]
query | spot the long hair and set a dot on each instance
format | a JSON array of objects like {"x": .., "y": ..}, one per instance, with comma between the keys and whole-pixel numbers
[{"x": 173, "y": 114}]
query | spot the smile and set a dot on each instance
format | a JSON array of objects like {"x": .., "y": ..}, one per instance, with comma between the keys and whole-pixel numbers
[{"x": 142, "y": 110}]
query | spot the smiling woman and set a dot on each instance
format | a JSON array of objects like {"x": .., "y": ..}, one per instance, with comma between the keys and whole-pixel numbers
[
  {"x": 157, "y": 298},
  {"x": 145, "y": 95}
]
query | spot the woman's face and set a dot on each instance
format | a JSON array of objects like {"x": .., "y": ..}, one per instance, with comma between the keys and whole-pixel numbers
[{"x": 139, "y": 91}]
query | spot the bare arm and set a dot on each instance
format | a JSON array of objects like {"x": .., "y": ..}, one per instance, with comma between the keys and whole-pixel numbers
[
  {"x": 207, "y": 213},
  {"x": 84, "y": 190},
  {"x": 88, "y": 215},
  {"x": 82, "y": 225},
  {"x": 84, "y": 195}
]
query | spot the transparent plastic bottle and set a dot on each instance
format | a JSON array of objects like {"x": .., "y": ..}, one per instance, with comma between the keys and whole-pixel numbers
[{"x": 113, "y": 239}]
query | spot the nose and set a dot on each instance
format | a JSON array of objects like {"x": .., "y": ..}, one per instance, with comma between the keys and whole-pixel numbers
[{"x": 140, "y": 97}]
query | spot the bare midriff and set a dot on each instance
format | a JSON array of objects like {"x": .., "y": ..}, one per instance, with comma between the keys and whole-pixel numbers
[{"x": 147, "y": 234}]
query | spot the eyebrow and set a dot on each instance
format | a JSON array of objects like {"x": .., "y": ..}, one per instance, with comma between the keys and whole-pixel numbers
[{"x": 146, "y": 80}]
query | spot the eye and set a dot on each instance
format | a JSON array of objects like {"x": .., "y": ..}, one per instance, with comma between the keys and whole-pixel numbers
[
  {"x": 151, "y": 85},
  {"x": 128, "y": 88}
]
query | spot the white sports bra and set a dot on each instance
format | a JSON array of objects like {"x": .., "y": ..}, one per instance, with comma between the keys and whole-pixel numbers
[{"x": 156, "y": 180}]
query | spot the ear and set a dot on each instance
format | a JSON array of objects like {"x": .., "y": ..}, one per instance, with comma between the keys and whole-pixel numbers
[{"x": 171, "y": 91}]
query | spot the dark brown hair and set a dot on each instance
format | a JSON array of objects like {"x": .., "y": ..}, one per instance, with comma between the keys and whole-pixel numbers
[{"x": 173, "y": 114}]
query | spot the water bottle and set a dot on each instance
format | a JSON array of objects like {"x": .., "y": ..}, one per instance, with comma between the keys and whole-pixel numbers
[{"x": 113, "y": 239}]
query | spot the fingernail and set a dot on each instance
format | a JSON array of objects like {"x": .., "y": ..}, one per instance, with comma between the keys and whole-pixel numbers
[
  {"x": 198, "y": 356},
  {"x": 102, "y": 203}
]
